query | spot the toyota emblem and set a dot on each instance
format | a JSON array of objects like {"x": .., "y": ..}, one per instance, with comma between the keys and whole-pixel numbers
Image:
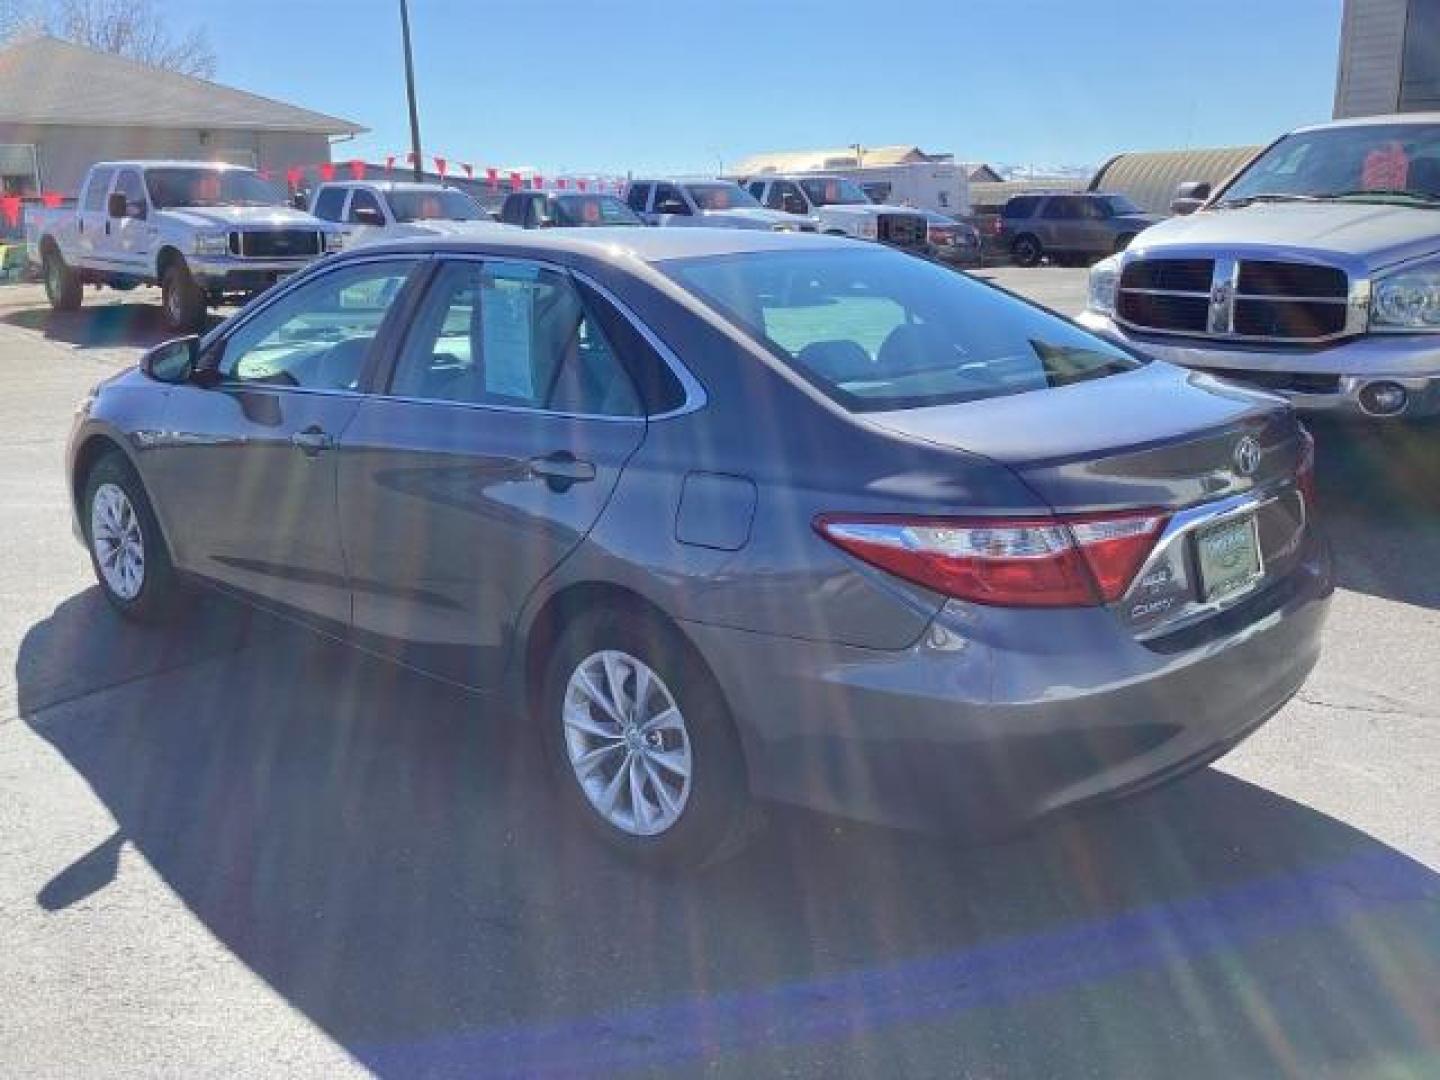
[{"x": 1246, "y": 456}]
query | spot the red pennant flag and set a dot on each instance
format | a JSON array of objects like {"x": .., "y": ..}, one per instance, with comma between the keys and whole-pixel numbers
[
  {"x": 581, "y": 184},
  {"x": 440, "y": 166},
  {"x": 537, "y": 181},
  {"x": 357, "y": 169},
  {"x": 469, "y": 170},
  {"x": 492, "y": 177},
  {"x": 10, "y": 209},
  {"x": 390, "y": 163},
  {"x": 294, "y": 175},
  {"x": 327, "y": 172},
  {"x": 560, "y": 183},
  {"x": 52, "y": 199},
  {"x": 514, "y": 181}
]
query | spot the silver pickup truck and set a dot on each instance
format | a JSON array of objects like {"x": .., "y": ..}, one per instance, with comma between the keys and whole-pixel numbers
[
  {"x": 201, "y": 231},
  {"x": 1314, "y": 272}
]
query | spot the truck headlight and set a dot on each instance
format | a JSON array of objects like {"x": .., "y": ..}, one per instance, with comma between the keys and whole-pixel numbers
[
  {"x": 211, "y": 243},
  {"x": 1407, "y": 301},
  {"x": 1104, "y": 283}
]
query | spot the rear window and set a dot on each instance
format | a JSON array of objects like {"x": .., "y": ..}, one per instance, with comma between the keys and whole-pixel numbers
[
  {"x": 876, "y": 329},
  {"x": 593, "y": 210},
  {"x": 1021, "y": 207}
]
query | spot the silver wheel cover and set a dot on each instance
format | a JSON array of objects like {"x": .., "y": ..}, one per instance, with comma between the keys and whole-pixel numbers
[
  {"x": 117, "y": 541},
  {"x": 627, "y": 743}
]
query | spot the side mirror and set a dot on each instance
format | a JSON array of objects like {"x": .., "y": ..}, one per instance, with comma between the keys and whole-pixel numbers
[
  {"x": 1189, "y": 197},
  {"x": 793, "y": 204},
  {"x": 117, "y": 205},
  {"x": 299, "y": 201},
  {"x": 671, "y": 207},
  {"x": 172, "y": 361},
  {"x": 367, "y": 215}
]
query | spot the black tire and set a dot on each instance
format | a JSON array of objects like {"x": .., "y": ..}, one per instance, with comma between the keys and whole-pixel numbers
[
  {"x": 718, "y": 816},
  {"x": 62, "y": 284},
  {"x": 1123, "y": 241},
  {"x": 181, "y": 300},
  {"x": 1027, "y": 250},
  {"x": 159, "y": 585}
]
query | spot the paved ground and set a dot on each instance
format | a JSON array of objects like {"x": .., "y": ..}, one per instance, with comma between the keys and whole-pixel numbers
[{"x": 234, "y": 849}]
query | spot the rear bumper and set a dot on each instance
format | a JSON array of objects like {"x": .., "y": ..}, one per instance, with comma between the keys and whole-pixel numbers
[
  {"x": 1329, "y": 380},
  {"x": 999, "y": 717}
]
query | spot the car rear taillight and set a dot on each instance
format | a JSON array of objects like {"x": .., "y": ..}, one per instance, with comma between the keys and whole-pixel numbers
[
  {"x": 1067, "y": 561},
  {"x": 1305, "y": 472}
]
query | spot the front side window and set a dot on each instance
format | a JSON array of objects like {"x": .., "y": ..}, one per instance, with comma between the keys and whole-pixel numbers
[
  {"x": 330, "y": 203},
  {"x": 97, "y": 189},
  {"x": 316, "y": 337},
  {"x": 834, "y": 191},
  {"x": 876, "y": 329},
  {"x": 1120, "y": 206},
  {"x": 128, "y": 184},
  {"x": 514, "y": 335},
  {"x": 185, "y": 186},
  {"x": 365, "y": 208},
  {"x": 636, "y": 197},
  {"x": 668, "y": 200},
  {"x": 718, "y": 196}
]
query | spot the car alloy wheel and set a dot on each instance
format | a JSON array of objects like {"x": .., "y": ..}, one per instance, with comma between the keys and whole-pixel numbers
[
  {"x": 627, "y": 743},
  {"x": 118, "y": 542}
]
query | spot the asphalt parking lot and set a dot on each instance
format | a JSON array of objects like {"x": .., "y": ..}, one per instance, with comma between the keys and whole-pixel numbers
[{"x": 233, "y": 848}]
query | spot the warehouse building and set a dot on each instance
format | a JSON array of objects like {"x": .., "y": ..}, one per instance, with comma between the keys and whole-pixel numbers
[
  {"x": 64, "y": 107},
  {"x": 1150, "y": 178},
  {"x": 1389, "y": 57}
]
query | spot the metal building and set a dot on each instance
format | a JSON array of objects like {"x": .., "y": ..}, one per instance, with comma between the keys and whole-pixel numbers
[
  {"x": 64, "y": 107},
  {"x": 1389, "y": 57},
  {"x": 1150, "y": 178}
]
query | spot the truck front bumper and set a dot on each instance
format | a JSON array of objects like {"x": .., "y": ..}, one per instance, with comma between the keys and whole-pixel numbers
[
  {"x": 1378, "y": 376},
  {"x": 227, "y": 275}
]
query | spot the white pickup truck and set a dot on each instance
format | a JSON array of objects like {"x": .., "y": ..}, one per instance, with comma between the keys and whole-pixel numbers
[
  {"x": 202, "y": 231},
  {"x": 838, "y": 206},
  {"x": 359, "y": 208}
]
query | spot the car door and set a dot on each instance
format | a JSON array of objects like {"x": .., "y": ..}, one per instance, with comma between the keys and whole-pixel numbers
[
  {"x": 494, "y": 448},
  {"x": 1064, "y": 221},
  {"x": 132, "y": 233},
  {"x": 92, "y": 218},
  {"x": 330, "y": 206},
  {"x": 364, "y": 212},
  {"x": 246, "y": 467}
]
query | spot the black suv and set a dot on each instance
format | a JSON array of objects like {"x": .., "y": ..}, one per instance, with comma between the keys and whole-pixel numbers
[{"x": 1071, "y": 228}]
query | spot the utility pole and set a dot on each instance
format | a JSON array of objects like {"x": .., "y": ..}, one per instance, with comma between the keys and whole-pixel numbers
[{"x": 410, "y": 93}]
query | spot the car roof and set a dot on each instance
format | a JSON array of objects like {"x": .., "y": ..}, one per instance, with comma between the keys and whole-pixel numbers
[
  {"x": 168, "y": 164},
  {"x": 611, "y": 243},
  {"x": 683, "y": 180},
  {"x": 1384, "y": 120},
  {"x": 391, "y": 185}
]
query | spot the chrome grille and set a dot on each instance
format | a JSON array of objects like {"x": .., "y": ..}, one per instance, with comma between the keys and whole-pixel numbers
[
  {"x": 1236, "y": 299},
  {"x": 276, "y": 244}
]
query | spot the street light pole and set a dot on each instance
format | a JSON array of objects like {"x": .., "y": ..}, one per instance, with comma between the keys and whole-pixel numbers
[{"x": 410, "y": 93}]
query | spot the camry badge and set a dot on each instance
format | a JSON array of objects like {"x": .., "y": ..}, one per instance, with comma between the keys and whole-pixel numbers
[{"x": 1246, "y": 456}]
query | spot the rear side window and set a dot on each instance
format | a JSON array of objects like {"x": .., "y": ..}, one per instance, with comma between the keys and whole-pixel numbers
[
  {"x": 636, "y": 197},
  {"x": 98, "y": 188},
  {"x": 1020, "y": 207},
  {"x": 330, "y": 204},
  {"x": 513, "y": 211},
  {"x": 876, "y": 329},
  {"x": 511, "y": 334}
]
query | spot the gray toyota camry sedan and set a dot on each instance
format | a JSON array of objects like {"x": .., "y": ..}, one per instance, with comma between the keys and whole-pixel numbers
[{"x": 738, "y": 516}]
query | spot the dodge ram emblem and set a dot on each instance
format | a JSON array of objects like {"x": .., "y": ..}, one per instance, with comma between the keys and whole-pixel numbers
[{"x": 1246, "y": 456}]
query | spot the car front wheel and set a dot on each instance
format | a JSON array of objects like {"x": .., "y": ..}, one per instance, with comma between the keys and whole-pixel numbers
[
  {"x": 1026, "y": 251},
  {"x": 645, "y": 750},
  {"x": 131, "y": 562}
]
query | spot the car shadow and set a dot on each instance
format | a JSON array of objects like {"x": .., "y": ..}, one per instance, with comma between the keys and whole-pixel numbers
[
  {"x": 1379, "y": 494},
  {"x": 101, "y": 326},
  {"x": 382, "y": 851}
]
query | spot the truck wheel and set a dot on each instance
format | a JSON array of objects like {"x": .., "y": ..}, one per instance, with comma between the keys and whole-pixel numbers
[
  {"x": 62, "y": 285},
  {"x": 182, "y": 300},
  {"x": 1026, "y": 251}
]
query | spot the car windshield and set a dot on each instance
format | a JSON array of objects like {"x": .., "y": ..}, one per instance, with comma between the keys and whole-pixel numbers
[
  {"x": 1120, "y": 205},
  {"x": 834, "y": 191},
  {"x": 721, "y": 196},
  {"x": 1374, "y": 162},
  {"x": 593, "y": 210},
  {"x": 446, "y": 205},
  {"x": 880, "y": 330},
  {"x": 209, "y": 187}
]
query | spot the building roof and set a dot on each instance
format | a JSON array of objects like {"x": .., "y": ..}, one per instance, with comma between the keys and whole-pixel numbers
[
  {"x": 1150, "y": 178},
  {"x": 836, "y": 158},
  {"x": 992, "y": 196},
  {"x": 980, "y": 172},
  {"x": 44, "y": 80}
]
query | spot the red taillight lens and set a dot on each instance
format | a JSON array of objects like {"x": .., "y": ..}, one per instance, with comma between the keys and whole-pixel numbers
[
  {"x": 1305, "y": 472},
  {"x": 1015, "y": 562}
]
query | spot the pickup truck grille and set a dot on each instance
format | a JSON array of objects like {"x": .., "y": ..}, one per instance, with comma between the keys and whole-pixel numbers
[
  {"x": 902, "y": 230},
  {"x": 1258, "y": 300},
  {"x": 276, "y": 244}
]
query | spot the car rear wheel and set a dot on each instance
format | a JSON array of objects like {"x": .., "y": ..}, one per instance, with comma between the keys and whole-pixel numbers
[
  {"x": 127, "y": 551},
  {"x": 646, "y": 753},
  {"x": 1027, "y": 251},
  {"x": 182, "y": 300},
  {"x": 62, "y": 284}
]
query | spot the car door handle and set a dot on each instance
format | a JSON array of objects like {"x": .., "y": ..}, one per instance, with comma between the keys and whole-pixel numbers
[
  {"x": 561, "y": 469},
  {"x": 312, "y": 441}
]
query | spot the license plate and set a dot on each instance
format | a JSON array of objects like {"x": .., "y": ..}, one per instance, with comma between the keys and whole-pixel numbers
[{"x": 1229, "y": 556}]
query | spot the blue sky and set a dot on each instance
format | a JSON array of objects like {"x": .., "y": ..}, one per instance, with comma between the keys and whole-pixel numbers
[{"x": 685, "y": 85}]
